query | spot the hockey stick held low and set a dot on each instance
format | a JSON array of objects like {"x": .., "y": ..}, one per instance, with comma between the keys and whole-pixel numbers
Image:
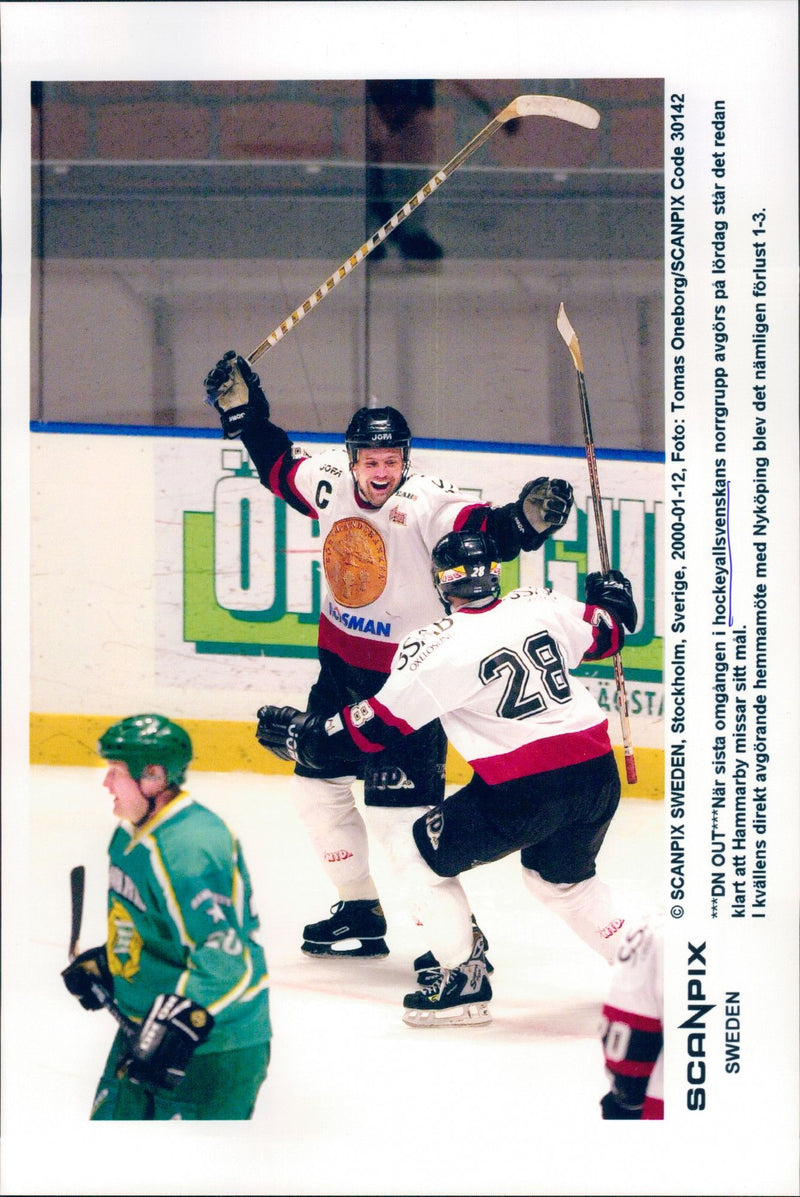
[
  {"x": 571, "y": 340},
  {"x": 127, "y": 1025},
  {"x": 557, "y": 107},
  {"x": 77, "y": 887}
]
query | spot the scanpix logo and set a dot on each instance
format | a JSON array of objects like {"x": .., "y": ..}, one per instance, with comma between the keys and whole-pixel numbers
[{"x": 252, "y": 574}]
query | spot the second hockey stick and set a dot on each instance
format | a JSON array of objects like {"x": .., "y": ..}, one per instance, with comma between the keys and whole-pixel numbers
[
  {"x": 77, "y": 886},
  {"x": 570, "y": 337},
  {"x": 558, "y": 107}
]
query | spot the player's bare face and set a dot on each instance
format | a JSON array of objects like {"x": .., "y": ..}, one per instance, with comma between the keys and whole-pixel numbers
[
  {"x": 377, "y": 474},
  {"x": 129, "y": 802}
]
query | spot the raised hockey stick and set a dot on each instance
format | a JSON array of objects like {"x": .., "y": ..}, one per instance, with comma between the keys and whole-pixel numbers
[
  {"x": 570, "y": 337},
  {"x": 77, "y": 886},
  {"x": 557, "y": 107}
]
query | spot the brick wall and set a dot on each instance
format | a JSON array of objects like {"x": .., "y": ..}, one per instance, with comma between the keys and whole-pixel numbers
[{"x": 276, "y": 119}]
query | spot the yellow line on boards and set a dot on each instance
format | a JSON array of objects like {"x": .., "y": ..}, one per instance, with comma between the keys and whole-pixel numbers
[{"x": 224, "y": 746}]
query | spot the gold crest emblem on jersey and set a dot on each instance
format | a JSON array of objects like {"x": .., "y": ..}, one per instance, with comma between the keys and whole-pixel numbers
[
  {"x": 124, "y": 945},
  {"x": 354, "y": 560}
]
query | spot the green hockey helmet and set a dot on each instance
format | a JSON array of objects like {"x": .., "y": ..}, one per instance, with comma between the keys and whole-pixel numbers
[{"x": 142, "y": 740}]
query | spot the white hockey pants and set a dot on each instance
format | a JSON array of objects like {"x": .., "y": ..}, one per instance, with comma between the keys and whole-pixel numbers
[{"x": 588, "y": 907}]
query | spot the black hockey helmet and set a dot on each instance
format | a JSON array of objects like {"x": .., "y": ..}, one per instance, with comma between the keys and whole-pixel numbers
[
  {"x": 465, "y": 565},
  {"x": 377, "y": 428}
]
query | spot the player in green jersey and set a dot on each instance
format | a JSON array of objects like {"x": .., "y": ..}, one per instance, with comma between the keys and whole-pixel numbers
[{"x": 182, "y": 961}]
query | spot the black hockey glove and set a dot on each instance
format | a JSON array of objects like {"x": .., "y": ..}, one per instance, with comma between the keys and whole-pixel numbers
[
  {"x": 612, "y": 592},
  {"x": 294, "y": 736},
  {"x": 85, "y": 974},
  {"x": 542, "y": 508},
  {"x": 174, "y": 1027},
  {"x": 235, "y": 391},
  {"x": 545, "y": 504},
  {"x": 613, "y": 1108}
]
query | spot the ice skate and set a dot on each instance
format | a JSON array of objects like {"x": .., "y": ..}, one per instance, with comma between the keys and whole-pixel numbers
[
  {"x": 458, "y": 997},
  {"x": 429, "y": 970},
  {"x": 354, "y": 929}
]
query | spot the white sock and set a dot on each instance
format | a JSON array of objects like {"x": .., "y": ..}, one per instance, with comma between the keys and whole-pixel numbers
[
  {"x": 588, "y": 907},
  {"x": 337, "y": 831},
  {"x": 438, "y": 904}
]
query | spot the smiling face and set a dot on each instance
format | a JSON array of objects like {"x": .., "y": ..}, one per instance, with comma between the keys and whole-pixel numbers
[
  {"x": 132, "y": 798},
  {"x": 377, "y": 474}
]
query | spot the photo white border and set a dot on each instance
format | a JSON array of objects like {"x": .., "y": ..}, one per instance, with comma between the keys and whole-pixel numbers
[{"x": 744, "y": 50}]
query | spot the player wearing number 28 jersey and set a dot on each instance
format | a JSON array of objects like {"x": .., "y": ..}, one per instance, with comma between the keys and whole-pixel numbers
[
  {"x": 497, "y": 673},
  {"x": 498, "y": 679}
]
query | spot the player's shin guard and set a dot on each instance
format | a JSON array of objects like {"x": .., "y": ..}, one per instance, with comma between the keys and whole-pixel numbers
[
  {"x": 588, "y": 907},
  {"x": 337, "y": 831},
  {"x": 438, "y": 904},
  {"x": 356, "y": 925},
  {"x": 391, "y": 827}
]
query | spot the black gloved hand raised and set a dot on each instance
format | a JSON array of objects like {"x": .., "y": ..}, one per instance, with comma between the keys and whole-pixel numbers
[
  {"x": 88, "y": 969},
  {"x": 542, "y": 508},
  {"x": 234, "y": 389},
  {"x": 612, "y": 592},
  {"x": 174, "y": 1027},
  {"x": 546, "y": 503}
]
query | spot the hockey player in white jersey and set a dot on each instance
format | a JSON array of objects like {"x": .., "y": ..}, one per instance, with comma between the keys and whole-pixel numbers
[
  {"x": 496, "y": 672},
  {"x": 633, "y": 1025},
  {"x": 378, "y": 521}
]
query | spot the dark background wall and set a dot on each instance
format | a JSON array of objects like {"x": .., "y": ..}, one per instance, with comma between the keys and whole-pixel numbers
[{"x": 175, "y": 220}]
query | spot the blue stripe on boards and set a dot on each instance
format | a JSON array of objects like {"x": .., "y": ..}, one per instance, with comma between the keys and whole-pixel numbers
[{"x": 330, "y": 438}]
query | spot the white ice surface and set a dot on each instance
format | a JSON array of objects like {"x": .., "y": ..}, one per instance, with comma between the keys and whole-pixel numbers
[{"x": 355, "y": 1102}]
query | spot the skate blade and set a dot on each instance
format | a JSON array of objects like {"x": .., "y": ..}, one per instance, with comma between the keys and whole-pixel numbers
[
  {"x": 474, "y": 1014},
  {"x": 374, "y": 949}
]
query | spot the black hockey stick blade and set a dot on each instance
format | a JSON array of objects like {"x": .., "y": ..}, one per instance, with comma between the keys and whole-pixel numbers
[{"x": 77, "y": 886}]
